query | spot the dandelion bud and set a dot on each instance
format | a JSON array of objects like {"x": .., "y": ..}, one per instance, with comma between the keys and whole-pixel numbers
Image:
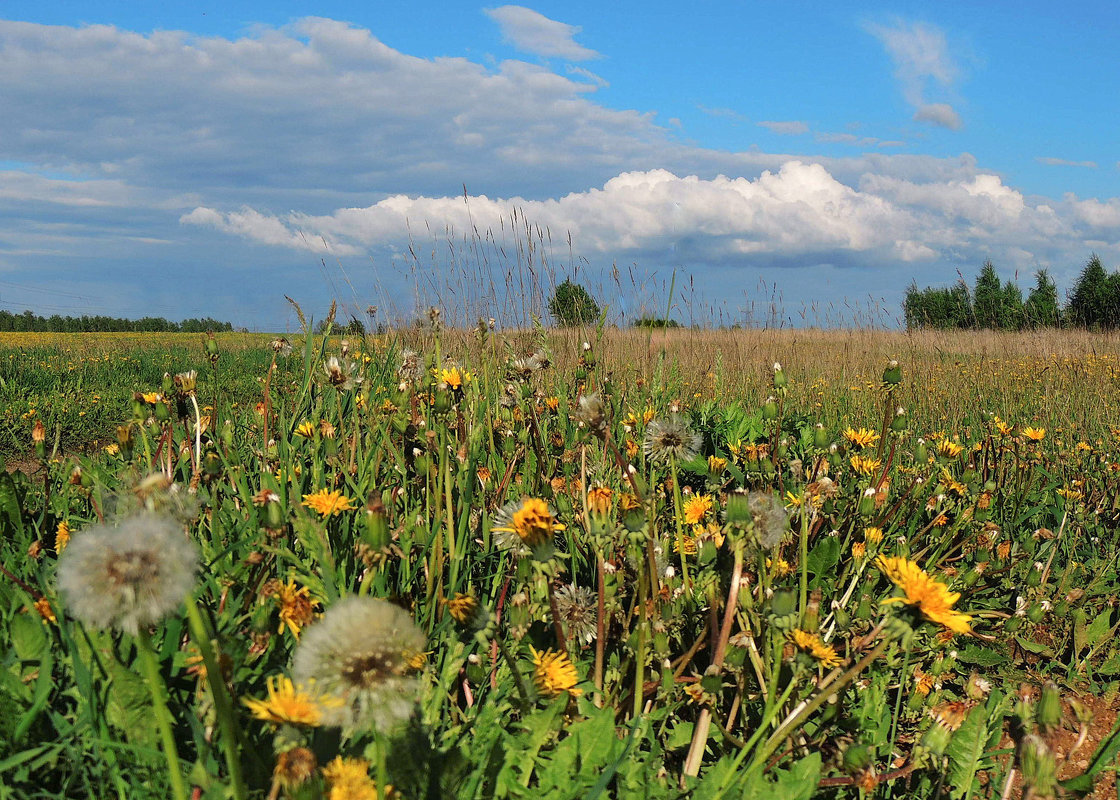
[
  {"x": 162, "y": 412},
  {"x": 780, "y": 379},
  {"x": 1048, "y": 711},
  {"x": 936, "y": 738},
  {"x": 274, "y": 515},
  {"x": 124, "y": 438},
  {"x": 821, "y": 439},
  {"x": 892, "y": 375},
  {"x": 898, "y": 424},
  {"x": 783, "y": 602},
  {"x": 1040, "y": 769},
  {"x": 212, "y": 465},
  {"x": 770, "y": 408},
  {"x": 1034, "y": 576},
  {"x": 867, "y": 502},
  {"x": 211, "y": 347},
  {"x": 857, "y": 758},
  {"x": 167, "y": 384},
  {"x": 376, "y": 530},
  {"x": 39, "y": 437}
]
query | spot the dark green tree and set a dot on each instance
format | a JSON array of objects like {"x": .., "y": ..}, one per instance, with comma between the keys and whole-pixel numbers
[
  {"x": 1089, "y": 299},
  {"x": 1041, "y": 309},
  {"x": 987, "y": 301},
  {"x": 572, "y": 304},
  {"x": 1011, "y": 307}
]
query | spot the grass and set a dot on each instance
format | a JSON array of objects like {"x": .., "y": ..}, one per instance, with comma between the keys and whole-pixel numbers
[{"x": 609, "y": 609}]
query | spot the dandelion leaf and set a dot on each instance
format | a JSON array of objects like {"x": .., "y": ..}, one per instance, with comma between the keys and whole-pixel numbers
[
  {"x": 981, "y": 656},
  {"x": 823, "y": 558},
  {"x": 979, "y": 733},
  {"x": 129, "y": 706}
]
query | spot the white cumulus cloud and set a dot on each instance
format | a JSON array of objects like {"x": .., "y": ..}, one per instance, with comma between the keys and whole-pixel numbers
[{"x": 533, "y": 32}]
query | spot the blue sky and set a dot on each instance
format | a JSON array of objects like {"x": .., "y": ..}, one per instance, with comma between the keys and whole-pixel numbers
[{"x": 181, "y": 160}]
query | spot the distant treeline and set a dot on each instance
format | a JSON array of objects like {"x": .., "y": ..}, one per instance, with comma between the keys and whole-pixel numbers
[
  {"x": 27, "y": 321},
  {"x": 1093, "y": 302}
]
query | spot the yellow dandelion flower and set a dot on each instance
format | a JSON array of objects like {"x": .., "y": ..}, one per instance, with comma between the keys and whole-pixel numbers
[
  {"x": 925, "y": 593},
  {"x": 696, "y": 508},
  {"x": 1073, "y": 495},
  {"x": 859, "y": 550},
  {"x": 151, "y": 398},
  {"x": 297, "y": 607},
  {"x": 1004, "y": 428},
  {"x": 528, "y": 522},
  {"x": 288, "y": 704},
  {"x": 454, "y": 379},
  {"x": 553, "y": 673},
  {"x": 865, "y": 466},
  {"x": 873, "y": 535},
  {"x": 716, "y": 465},
  {"x": 306, "y": 429},
  {"x": 924, "y": 683},
  {"x": 348, "y": 779},
  {"x": 686, "y": 543},
  {"x": 462, "y": 608},
  {"x": 61, "y": 536},
  {"x": 864, "y": 437},
  {"x": 1035, "y": 434},
  {"x": 327, "y": 504},
  {"x": 599, "y": 501},
  {"x": 812, "y": 644},
  {"x": 951, "y": 484},
  {"x": 949, "y": 449},
  {"x": 779, "y": 567}
]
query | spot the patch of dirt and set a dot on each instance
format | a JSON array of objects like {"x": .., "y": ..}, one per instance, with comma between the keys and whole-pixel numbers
[{"x": 1074, "y": 751}]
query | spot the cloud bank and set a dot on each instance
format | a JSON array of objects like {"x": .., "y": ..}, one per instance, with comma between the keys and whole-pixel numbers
[{"x": 253, "y": 153}]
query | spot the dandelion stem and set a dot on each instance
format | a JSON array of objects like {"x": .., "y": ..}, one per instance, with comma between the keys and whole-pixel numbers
[
  {"x": 677, "y": 518},
  {"x": 197, "y": 432},
  {"x": 518, "y": 678},
  {"x": 902, "y": 681},
  {"x": 150, "y": 666},
  {"x": 222, "y": 703}
]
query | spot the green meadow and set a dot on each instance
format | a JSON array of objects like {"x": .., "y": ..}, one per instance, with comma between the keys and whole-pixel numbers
[{"x": 559, "y": 563}]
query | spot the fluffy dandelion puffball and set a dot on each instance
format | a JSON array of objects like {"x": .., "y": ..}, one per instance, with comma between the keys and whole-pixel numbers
[
  {"x": 577, "y": 610},
  {"x": 128, "y": 576},
  {"x": 360, "y": 653},
  {"x": 671, "y": 438}
]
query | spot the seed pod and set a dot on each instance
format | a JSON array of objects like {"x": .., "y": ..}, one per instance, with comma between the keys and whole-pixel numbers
[{"x": 1036, "y": 612}]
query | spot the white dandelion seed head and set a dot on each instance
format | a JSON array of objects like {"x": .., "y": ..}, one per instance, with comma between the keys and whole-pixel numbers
[
  {"x": 359, "y": 652},
  {"x": 129, "y": 575},
  {"x": 671, "y": 438},
  {"x": 576, "y": 608}
]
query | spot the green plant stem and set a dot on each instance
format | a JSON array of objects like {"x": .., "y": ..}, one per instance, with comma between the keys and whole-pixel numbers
[
  {"x": 223, "y": 705},
  {"x": 898, "y": 699},
  {"x": 678, "y": 511},
  {"x": 519, "y": 679},
  {"x": 803, "y": 557},
  {"x": 790, "y": 724},
  {"x": 150, "y": 666}
]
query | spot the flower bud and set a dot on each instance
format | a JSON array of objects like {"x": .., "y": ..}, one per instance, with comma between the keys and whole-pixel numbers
[
  {"x": 780, "y": 380},
  {"x": 1048, "y": 711},
  {"x": 892, "y": 375},
  {"x": 770, "y": 408}
]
